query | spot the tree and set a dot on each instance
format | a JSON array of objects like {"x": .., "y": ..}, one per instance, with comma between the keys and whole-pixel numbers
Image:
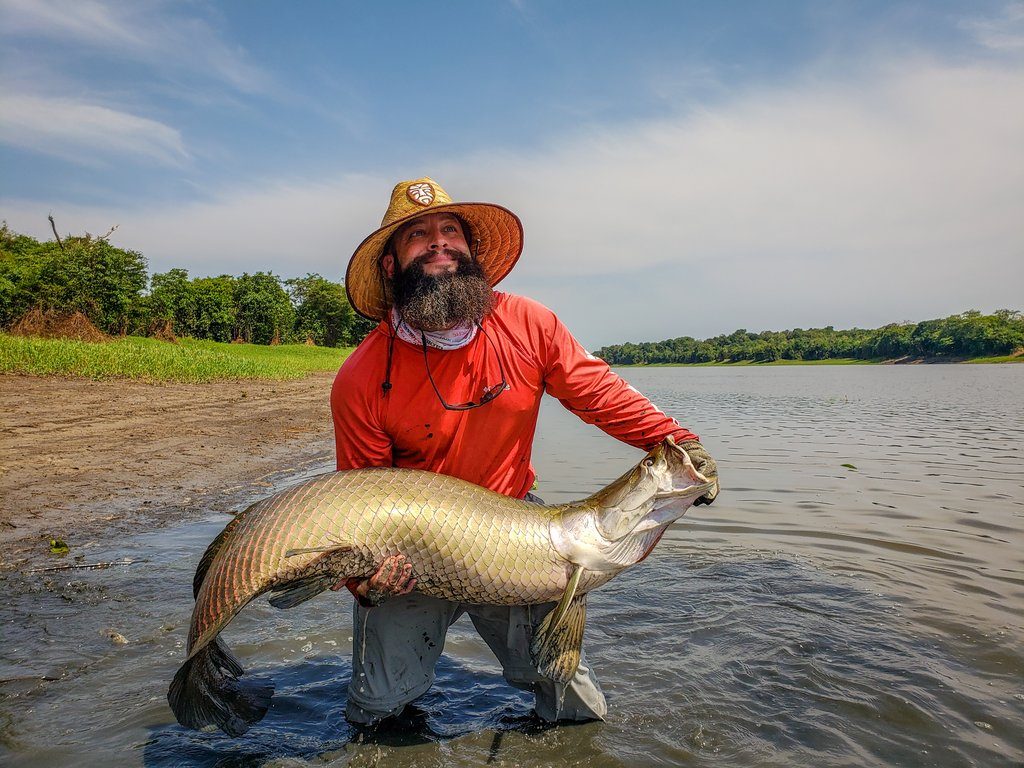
[
  {"x": 20, "y": 261},
  {"x": 322, "y": 311},
  {"x": 171, "y": 298},
  {"x": 263, "y": 309},
  {"x": 215, "y": 309}
]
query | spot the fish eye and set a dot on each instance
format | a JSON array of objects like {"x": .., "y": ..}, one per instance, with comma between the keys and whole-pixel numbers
[{"x": 648, "y": 462}]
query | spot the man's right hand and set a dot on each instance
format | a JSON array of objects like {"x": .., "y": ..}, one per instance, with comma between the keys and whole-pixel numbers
[{"x": 393, "y": 578}]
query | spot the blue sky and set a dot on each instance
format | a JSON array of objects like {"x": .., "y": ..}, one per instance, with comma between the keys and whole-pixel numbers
[{"x": 680, "y": 168}]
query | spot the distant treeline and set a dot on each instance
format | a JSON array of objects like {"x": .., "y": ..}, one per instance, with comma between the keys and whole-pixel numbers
[
  {"x": 111, "y": 287},
  {"x": 970, "y": 334}
]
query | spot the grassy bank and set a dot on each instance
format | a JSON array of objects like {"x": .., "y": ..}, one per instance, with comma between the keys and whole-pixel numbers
[{"x": 189, "y": 360}]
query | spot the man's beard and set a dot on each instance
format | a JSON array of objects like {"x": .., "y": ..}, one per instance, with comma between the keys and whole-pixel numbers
[{"x": 442, "y": 301}]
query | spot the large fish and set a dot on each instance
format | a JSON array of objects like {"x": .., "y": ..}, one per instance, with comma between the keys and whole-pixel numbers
[{"x": 465, "y": 543}]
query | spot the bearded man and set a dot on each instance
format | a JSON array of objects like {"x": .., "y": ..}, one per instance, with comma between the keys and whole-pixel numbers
[{"x": 450, "y": 381}]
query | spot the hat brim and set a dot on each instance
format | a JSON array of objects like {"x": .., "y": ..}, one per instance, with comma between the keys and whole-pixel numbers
[{"x": 498, "y": 230}]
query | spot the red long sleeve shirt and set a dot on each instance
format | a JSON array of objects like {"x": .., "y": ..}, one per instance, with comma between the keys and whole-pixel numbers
[{"x": 490, "y": 445}]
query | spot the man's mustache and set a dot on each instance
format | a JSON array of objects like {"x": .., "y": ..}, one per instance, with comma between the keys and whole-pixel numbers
[{"x": 454, "y": 253}]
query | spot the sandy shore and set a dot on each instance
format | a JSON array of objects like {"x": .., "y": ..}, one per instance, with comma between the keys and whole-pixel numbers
[{"x": 84, "y": 459}]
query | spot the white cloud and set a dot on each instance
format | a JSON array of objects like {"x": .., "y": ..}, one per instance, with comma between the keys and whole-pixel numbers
[
  {"x": 49, "y": 106},
  {"x": 155, "y": 33},
  {"x": 1004, "y": 32},
  {"x": 85, "y": 133},
  {"x": 895, "y": 197},
  {"x": 84, "y": 20}
]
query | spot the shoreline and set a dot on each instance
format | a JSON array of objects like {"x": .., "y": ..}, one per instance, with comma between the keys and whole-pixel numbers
[
  {"x": 83, "y": 460},
  {"x": 1005, "y": 359}
]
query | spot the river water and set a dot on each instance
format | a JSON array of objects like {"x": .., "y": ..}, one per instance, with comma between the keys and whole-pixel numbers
[{"x": 854, "y": 598}]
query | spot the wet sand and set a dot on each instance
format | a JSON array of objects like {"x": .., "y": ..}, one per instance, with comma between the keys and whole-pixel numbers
[{"x": 82, "y": 460}]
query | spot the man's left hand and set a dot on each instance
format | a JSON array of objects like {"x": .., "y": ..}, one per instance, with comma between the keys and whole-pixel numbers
[{"x": 704, "y": 464}]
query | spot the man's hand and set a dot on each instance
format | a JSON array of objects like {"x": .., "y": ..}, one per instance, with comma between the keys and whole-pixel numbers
[
  {"x": 393, "y": 578},
  {"x": 706, "y": 466}
]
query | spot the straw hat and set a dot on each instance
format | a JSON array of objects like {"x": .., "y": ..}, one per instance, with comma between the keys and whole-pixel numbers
[{"x": 496, "y": 231}]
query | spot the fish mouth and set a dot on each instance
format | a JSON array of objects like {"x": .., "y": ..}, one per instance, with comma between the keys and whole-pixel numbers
[
  {"x": 696, "y": 490},
  {"x": 690, "y": 492},
  {"x": 672, "y": 505}
]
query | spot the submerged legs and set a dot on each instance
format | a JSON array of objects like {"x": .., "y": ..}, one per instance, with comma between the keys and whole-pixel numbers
[{"x": 397, "y": 644}]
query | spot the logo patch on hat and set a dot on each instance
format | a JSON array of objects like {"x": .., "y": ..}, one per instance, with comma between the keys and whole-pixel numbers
[{"x": 421, "y": 194}]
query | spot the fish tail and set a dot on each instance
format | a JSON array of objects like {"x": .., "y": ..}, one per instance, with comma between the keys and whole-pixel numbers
[{"x": 206, "y": 691}]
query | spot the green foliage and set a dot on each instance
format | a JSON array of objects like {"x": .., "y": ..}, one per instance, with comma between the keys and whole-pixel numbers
[
  {"x": 108, "y": 285},
  {"x": 213, "y": 299},
  {"x": 153, "y": 360},
  {"x": 967, "y": 335},
  {"x": 322, "y": 311},
  {"x": 263, "y": 310},
  {"x": 203, "y": 308},
  {"x": 360, "y": 328},
  {"x": 170, "y": 298},
  {"x": 84, "y": 274}
]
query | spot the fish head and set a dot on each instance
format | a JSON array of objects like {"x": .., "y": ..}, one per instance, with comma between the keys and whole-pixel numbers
[{"x": 657, "y": 491}]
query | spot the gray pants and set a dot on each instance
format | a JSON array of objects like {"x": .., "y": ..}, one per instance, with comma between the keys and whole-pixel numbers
[{"x": 396, "y": 645}]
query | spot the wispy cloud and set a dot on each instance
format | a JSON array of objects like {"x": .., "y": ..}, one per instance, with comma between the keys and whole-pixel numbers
[
  {"x": 85, "y": 133},
  {"x": 83, "y": 20},
  {"x": 155, "y": 33},
  {"x": 1003, "y": 32},
  {"x": 54, "y": 105}
]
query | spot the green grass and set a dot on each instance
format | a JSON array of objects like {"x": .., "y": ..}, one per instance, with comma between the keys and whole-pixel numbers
[
  {"x": 151, "y": 360},
  {"x": 1000, "y": 359}
]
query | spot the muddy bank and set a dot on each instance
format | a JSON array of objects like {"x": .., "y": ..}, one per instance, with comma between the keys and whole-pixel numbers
[{"x": 82, "y": 460}]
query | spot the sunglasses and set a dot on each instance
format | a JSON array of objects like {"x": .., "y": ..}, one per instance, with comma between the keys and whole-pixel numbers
[{"x": 490, "y": 393}]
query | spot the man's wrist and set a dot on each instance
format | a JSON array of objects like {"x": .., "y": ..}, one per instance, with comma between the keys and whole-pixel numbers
[{"x": 360, "y": 589}]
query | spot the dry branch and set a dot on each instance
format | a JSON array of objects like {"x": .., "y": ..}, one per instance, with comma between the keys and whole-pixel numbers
[{"x": 53, "y": 226}]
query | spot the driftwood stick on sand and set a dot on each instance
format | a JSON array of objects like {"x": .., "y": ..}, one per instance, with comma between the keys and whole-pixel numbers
[{"x": 84, "y": 566}]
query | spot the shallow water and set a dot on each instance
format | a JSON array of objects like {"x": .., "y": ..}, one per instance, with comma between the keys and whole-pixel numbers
[{"x": 817, "y": 614}]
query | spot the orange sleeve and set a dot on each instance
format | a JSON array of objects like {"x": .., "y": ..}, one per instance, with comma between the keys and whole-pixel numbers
[
  {"x": 589, "y": 388},
  {"x": 359, "y": 439}
]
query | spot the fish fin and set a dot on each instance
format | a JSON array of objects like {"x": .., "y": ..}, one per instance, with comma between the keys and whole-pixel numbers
[
  {"x": 206, "y": 691},
  {"x": 334, "y": 548},
  {"x": 554, "y": 619},
  {"x": 297, "y": 591},
  {"x": 556, "y": 648},
  {"x": 211, "y": 552},
  {"x": 320, "y": 574}
]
